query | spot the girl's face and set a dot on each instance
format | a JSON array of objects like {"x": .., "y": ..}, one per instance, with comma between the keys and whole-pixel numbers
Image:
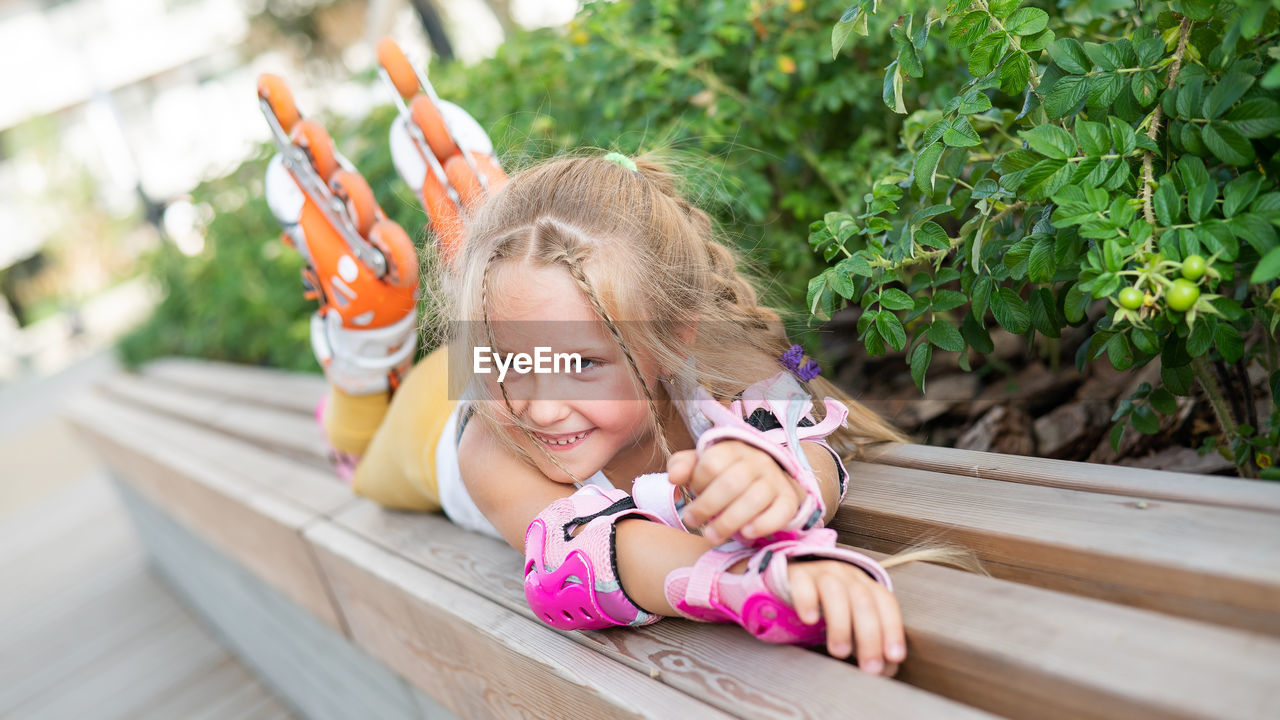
[{"x": 588, "y": 420}]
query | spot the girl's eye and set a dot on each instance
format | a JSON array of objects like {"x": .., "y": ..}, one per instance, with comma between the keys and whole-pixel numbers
[{"x": 588, "y": 363}]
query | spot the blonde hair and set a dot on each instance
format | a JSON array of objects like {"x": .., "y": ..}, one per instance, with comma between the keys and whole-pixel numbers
[{"x": 639, "y": 251}]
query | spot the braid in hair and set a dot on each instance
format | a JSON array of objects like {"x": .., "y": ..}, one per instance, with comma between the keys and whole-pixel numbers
[{"x": 575, "y": 270}]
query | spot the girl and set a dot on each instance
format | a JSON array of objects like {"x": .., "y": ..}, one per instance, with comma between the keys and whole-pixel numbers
[{"x": 633, "y": 490}]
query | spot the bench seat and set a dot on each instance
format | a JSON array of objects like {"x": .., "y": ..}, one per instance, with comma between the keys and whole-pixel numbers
[{"x": 1115, "y": 594}]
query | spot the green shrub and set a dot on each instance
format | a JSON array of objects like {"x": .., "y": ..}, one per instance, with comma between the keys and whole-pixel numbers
[{"x": 1075, "y": 156}]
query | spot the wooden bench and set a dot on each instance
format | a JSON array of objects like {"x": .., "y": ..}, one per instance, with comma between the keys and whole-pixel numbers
[{"x": 1117, "y": 592}]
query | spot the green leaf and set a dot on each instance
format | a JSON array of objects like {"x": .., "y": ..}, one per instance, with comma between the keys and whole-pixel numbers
[
  {"x": 926, "y": 170},
  {"x": 896, "y": 299},
  {"x": 974, "y": 103},
  {"x": 976, "y": 335},
  {"x": 1201, "y": 199},
  {"x": 920, "y": 359},
  {"x": 1144, "y": 419},
  {"x": 1200, "y": 339},
  {"x": 1116, "y": 435},
  {"x": 1229, "y": 342},
  {"x": 1104, "y": 89},
  {"x": 1122, "y": 136},
  {"x": 819, "y": 298},
  {"x": 1168, "y": 204},
  {"x": 1027, "y": 21},
  {"x": 891, "y": 328},
  {"x": 1010, "y": 311},
  {"x": 1239, "y": 193},
  {"x": 987, "y": 53},
  {"x": 1068, "y": 54},
  {"x": 1145, "y": 88},
  {"x": 983, "y": 288},
  {"x": 1077, "y": 304},
  {"x": 1037, "y": 42},
  {"x": 946, "y": 336},
  {"x": 892, "y": 93},
  {"x": 1040, "y": 264},
  {"x": 1051, "y": 141},
  {"x": 1145, "y": 340},
  {"x": 931, "y": 234},
  {"x": 841, "y": 282},
  {"x": 1268, "y": 267},
  {"x": 1093, "y": 137},
  {"x": 970, "y": 28},
  {"x": 1046, "y": 178},
  {"x": 1107, "y": 56},
  {"x": 1119, "y": 352},
  {"x": 1191, "y": 168},
  {"x": 1002, "y": 8},
  {"x": 1015, "y": 73},
  {"x": 1256, "y": 118},
  {"x": 839, "y": 34},
  {"x": 1226, "y": 93},
  {"x": 1150, "y": 51},
  {"x": 960, "y": 133},
  {"x": 1227, "y": 144},
  {"x": 945, "y": 299},
  {"x": 1065, "y": 95}
]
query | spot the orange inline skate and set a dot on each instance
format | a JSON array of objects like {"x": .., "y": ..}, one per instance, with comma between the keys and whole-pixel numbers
[
  {"x": 438, "y": 149},
  {"x": 360, "y": 266}
]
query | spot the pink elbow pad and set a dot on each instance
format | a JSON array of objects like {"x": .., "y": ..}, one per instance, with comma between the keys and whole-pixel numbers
[{"x": 570, "y": 570}]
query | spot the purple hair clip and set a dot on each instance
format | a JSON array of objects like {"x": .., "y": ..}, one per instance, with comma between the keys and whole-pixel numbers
[{"x": 791, "y": 360}]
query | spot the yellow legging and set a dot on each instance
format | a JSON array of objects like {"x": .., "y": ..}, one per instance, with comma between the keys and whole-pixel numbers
[{"x": 396, "y": 435}]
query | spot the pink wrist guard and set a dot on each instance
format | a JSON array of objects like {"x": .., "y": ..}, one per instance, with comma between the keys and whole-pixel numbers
[
  {"x": 774, "y": 416},
  {"x": 571, "y": 580},
  {"x": 759, "y": 599}
]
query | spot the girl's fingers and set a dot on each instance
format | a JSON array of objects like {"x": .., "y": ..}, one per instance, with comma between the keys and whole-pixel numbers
[
  {"x": 895, "y": 645},
  {"x": 804, "y": 594},
  {"x": 740, "y": 511},
  {"x": 713, "y": 498},
  {"x": 866, "y": 623},
  {"x": 680, "y": 466},
  {"x": 835, "y": 609},
  {"x": 891, "y": 670},
  {"x": 774, "y": 518}
]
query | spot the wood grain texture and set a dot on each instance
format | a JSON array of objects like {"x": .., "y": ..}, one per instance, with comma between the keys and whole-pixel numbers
[
  {"x": 480, "y": 659},
  {"x": 319, "y": 671},
  {"x": 1216, "y": 564},
  {"x": 1027, "y": 652},
  {"x": 271, "y": 387},
  {"x": 1091, "y": 477},
  {"x": 210, "y": 495},
  {"x": 722, "y": 665},
  {"x": 284, "y": 432}
]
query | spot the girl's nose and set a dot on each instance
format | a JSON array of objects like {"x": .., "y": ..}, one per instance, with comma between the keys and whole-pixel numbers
[{"x": 547, "y": 413}]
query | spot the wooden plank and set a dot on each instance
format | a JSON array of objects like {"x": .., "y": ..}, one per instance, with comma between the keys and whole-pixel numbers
[
  {"x": 722, "y": 665},
  {"x": 310, "y": 487},
  {"x": 284, "y": 432},
  {"x": 1026, "y": 652},
  {"x": 479, "y": 659},
  {"x": 293, "y": 391},
  {"x": 216, "y": 689},
  {"x": 1091, "y": 477},
  {"x": 165, "y": 461},
  {"x": 318, "y": 670},
  {"x": 1216, "y": 564}
]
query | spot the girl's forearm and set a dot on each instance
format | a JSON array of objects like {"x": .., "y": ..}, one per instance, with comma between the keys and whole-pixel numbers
[{"x": 648, "y": 552}]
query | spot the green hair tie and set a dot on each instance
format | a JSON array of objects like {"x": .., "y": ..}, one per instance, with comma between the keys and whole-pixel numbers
[{"x": 623, "y": 160}]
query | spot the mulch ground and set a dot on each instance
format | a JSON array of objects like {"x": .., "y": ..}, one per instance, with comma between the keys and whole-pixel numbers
[{"x": 1018, "y": 401}]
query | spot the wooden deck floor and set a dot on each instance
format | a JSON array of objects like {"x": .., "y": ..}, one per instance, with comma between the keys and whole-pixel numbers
[{"x": 88, "y": 630}]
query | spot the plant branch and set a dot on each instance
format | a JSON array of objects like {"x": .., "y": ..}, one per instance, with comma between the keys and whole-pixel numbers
[
  {"x": 1148, "y": 158},
  {"x": 1216, "y": 401}
]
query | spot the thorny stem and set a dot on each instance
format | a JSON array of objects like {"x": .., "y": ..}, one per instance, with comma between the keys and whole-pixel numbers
[
  {"x": 1216, "y": 401},
  {"x": 1148, "y": 158}
]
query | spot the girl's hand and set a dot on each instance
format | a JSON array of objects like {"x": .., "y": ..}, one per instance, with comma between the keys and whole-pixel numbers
[
  {"x": 736, "y": 487},
  {"x": 855, "y": 607}
]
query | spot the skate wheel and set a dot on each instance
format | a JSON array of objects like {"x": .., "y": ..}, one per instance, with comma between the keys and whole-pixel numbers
[
  {"x": 355, "y": 194},
  {"x": 446, "y": 224},
  {"x": 492, "y": 173},
  {"x": 396, "y": 247},
  {"x": 273, "y": 89},
  {"x": 429, "y": 120},
  {"x": 464, "y": 181},
  {"x": 398, "y": 67},
  {"x": 314, "y": 139}
]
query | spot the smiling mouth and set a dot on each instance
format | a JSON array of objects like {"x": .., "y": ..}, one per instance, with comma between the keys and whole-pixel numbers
[{"x": 563, "y": 442}]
